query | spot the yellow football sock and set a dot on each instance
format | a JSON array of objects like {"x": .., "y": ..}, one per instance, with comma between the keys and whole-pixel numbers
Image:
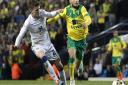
[{"x": 71, "y": 71}]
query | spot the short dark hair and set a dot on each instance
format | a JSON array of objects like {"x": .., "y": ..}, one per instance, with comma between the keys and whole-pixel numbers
[{"x": 34, "y": 3}]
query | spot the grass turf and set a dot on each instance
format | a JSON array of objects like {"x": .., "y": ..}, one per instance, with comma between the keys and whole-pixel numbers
[{"x": 42, "y": 82}]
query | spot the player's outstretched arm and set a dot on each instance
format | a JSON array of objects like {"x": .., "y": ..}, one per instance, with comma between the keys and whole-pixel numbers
[
  {"x": 21, "y": 34},
  {"x": 54, "y": 19},
  {"x": 61, "y": 14},
  {"x": 52, "y": 13}
]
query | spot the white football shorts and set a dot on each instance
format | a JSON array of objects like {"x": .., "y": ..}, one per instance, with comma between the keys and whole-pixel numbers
[{"x": 49, "y": 51}]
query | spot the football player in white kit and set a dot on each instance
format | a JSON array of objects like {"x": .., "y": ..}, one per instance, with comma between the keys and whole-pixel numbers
[{"x": 41, "y": 44}]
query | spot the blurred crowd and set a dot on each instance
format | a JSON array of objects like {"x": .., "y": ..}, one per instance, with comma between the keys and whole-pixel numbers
[{"x": 22, "y": 63}]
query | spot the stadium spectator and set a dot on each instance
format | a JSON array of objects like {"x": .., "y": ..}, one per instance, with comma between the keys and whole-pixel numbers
[
  {"x": 91, "y": 71},
  {"x": 106, "y": 9},
  {"x": 98, "y": 67},
  {"x": 110, "y": 71},
  {"x": 15, "y": 69},
  {"x": 101, "y": 19},
  {"x": 52, "y": 34},
  {"x": 93, "y": 15},
  {"x": 125, "y": 71}
]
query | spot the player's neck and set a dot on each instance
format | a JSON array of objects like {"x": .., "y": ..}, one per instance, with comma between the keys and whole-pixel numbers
[
  {"x": 75, "y": 7},
  {"x": 34, "y": 16}
]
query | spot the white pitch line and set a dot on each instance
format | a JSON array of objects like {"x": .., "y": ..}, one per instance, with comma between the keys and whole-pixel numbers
[{"x": 104, "y": 79}]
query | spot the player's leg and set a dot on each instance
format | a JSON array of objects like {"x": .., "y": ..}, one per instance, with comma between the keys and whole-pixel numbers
[
  {"x": 72, "y": 56},
  {"x": 40, "y": 53},
  {"x": 55, "y": 59},
  {"x": 78, "y": 62},
  {"x": 116, "y": 64},
  {"x": 78, "y": 67},
  {"x": 80, "y": 50},
  {"x": 59, "y": 66},
  {"x": 119, "y": 72}
]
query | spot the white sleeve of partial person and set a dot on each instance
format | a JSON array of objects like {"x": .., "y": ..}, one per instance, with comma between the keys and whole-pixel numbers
[
  {"x": 49, "y": 14},
  {"x": 21, "y": 35}
]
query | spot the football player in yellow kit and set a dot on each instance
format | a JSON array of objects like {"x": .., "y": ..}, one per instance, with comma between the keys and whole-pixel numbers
[
  {"x": 116, "y": 46},
  {"x": 77, "y": 20}
]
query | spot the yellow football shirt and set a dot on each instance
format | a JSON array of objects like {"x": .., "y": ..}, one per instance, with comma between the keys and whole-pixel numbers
[
  {"x": 116, "y": 45},
  {"x": 74, "y": 19}
]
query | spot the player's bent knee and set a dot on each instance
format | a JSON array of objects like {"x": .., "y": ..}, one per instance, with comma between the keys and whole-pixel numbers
[{"x": 72, "y": 53}]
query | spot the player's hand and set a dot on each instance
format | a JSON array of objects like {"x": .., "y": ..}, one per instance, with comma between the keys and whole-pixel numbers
[
  {"x": 60, "y": 11},
  {"x": 84, "y": 25}
]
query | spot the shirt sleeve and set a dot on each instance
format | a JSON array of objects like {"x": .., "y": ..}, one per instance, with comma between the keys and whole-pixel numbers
[
  {"x": 123, "y": 44},
  {"x": 86, "y": 16},
  {"x": 54, "y": 19},
  {"x": 21, "y": 34},
  {"x": 48, "y": 14}
]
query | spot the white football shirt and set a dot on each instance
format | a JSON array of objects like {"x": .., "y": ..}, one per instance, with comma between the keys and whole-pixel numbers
[{"x": 37, "y": 29}]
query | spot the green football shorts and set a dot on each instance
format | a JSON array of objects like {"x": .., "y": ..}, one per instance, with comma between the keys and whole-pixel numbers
[
  {"x": 116, "y": 60},
  {"x": 80, "y": 47}
]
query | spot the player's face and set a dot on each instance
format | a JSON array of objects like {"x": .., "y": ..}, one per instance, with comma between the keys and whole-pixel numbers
[
  {"x": 115, "y": 33},
  {"x": 75, "y": 3},
  {"x": 35, "y": 11}
]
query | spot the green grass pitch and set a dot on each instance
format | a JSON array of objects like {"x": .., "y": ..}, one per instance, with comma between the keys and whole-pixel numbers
[{"x": 42, "y": 82}]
